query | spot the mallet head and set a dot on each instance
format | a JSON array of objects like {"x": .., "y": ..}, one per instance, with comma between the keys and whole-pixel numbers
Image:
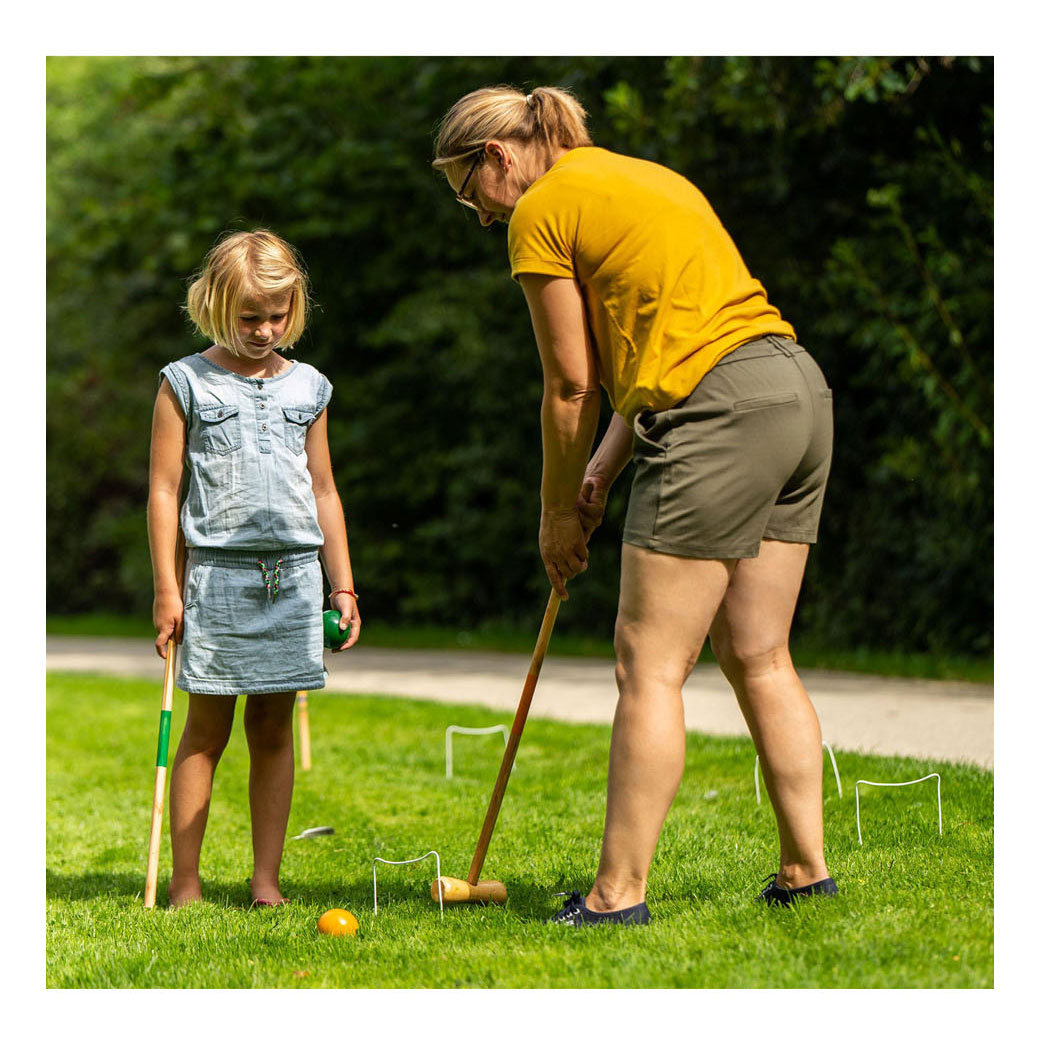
[{"x": 455, "y": 890}]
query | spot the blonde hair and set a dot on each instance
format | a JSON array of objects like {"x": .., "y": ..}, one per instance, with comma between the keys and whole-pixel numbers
[
  {"x": 551, "y": 116},
  {"x": 247, "y": 266}
]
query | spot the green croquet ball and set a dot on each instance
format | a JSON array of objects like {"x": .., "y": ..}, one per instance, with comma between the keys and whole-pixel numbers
[{"x": 330, "y": 623}]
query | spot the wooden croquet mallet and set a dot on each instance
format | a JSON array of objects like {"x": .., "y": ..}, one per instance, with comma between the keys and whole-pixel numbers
[
  {"x": 158, "y": 796},
  {"x": 165, "y": 717},
  {"x": 473, "y": 890}
]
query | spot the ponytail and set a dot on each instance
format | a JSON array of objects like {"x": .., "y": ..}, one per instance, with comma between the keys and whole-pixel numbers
[{"x": 548, "y": 115}]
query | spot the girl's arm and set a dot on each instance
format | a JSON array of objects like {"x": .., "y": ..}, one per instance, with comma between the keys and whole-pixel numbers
[
  {"x": 166, "y": 470},
  {"x": 335, "y": 553},
  {"x": 570, "y": 415}
]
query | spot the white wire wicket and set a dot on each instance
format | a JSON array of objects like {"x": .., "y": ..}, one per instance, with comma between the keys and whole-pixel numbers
[
  {"x": 904, "y": 783},
  {"x": 399, "y": 862},
  {"x": 834, "y": 766},
  {"x": 449, "y": 733}
]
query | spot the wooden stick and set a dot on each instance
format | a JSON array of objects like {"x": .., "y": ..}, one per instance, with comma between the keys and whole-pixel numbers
[
  {"x": 305, "y": 729},
  {"x": 514, "y": 738},
  {"x": 165, "y": 717},
  {"x": 158, "y": 796}
]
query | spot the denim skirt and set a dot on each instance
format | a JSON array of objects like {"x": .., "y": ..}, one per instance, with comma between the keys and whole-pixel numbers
[{"x": 252, "y": 624}]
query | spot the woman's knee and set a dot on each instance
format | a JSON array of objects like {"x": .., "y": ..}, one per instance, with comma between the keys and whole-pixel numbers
[
  {"x": 742, "y": 659},
  {"x": 665, "y": 607},
  {"x": 643, "y": 661}
]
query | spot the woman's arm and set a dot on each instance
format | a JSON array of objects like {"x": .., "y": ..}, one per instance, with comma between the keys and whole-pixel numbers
[
  {"x": 335, "y": 553},
  {"x": 165, "y": 472},
  {"x": 612, "y": 455},
  {"x": 570, "y": 415}
]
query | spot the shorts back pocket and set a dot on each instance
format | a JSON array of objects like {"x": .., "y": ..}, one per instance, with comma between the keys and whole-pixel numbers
[{"x": 751, "y": 404}]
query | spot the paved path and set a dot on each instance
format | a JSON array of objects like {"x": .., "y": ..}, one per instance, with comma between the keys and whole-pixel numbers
[{"x": 914, "y": 717}]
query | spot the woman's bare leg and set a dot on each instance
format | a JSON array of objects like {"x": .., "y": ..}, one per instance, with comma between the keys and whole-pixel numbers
[
  {"x": 206, "y": 731},
  {"x": 269, "y": 734},
  {"x": 750, "y": 639},
  {"x": 666, "y": 606}
]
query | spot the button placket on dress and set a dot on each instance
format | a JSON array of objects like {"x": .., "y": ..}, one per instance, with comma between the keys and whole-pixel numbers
[
  {"x": 263, "y": 421},
  {"x": 272, "y": 505}
]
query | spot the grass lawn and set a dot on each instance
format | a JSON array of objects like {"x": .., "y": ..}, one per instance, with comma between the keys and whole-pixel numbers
[{"x": 916, "y": 909}]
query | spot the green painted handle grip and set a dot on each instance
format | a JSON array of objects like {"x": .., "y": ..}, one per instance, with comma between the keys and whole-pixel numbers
[{"x": 164, "y": 738}]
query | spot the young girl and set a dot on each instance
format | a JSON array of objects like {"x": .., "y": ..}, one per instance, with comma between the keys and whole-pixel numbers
[{"x": 250, "y": 427}]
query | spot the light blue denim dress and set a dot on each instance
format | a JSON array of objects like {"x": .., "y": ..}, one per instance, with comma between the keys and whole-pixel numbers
[{"x": 253, "y": 585}]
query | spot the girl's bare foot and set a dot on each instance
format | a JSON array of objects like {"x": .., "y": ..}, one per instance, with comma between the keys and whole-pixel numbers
[
  {"x": 182, "y": 893},
  {"x": 267, "y": 893}
]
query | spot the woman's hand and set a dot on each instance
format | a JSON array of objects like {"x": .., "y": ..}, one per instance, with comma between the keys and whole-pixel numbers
[
  {"x": 612, "y": 455},
  {"x": 168, "y": 618},
  {"x": 348, "y": 610},
  {"x": 592, "y": 503},
  {"x": 561, "y": 540}
]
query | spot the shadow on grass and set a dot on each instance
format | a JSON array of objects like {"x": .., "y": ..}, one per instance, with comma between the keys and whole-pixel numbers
[
  {"x": 526, "y": 901},
  {"x": 91, "y": 885}
]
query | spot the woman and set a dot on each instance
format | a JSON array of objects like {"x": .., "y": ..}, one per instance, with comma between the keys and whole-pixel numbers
[{"x": 632, "y": 283}]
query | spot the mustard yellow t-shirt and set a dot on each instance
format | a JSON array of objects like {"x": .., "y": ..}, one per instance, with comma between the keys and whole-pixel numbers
[{"x": 666, "y": 291}]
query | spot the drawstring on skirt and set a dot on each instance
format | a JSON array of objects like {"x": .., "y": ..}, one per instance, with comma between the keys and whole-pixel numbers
[{"x": 271, "y": 584}]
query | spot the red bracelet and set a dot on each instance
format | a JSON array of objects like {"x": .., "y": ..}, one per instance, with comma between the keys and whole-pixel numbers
[{"x": 349, "y": 592}]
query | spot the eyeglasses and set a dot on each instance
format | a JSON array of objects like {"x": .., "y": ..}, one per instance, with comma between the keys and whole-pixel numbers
[{"x": 459, "y": 194}]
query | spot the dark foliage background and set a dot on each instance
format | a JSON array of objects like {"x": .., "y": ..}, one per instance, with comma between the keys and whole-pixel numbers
[{"x": 859, "y": 189}]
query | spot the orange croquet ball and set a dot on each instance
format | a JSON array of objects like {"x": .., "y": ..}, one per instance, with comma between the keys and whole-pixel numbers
[{"x": 337, "y": 922}]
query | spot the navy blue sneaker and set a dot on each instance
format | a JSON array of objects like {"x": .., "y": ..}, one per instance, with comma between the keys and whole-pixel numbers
[
  {"x": 576, "y": 914},
  {"x": 777, "y": 895}
]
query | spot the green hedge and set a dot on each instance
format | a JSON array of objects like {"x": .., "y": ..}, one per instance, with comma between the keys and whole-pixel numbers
[{"x": 860, "y": 190}]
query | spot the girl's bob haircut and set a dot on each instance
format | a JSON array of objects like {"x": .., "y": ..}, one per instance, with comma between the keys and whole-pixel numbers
[{"x": 244, "y": 268}]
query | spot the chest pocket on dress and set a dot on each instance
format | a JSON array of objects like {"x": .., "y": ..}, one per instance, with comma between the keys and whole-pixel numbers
[
  {"x": 297, "y": 422},
  {"x": 220, "y": 429}
]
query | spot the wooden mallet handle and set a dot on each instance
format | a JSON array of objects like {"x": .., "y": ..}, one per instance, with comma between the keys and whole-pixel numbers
[
  {"x": 514, "y": 738},
  {"x": 165, "y": 716},
  {"x": 158, "y": 795}
]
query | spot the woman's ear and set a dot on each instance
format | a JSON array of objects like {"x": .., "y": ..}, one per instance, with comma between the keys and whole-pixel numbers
[{"x": 499, "y": 154}]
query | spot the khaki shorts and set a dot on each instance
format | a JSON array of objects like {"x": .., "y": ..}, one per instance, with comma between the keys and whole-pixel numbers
[{"x": 744, "y": 457}]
